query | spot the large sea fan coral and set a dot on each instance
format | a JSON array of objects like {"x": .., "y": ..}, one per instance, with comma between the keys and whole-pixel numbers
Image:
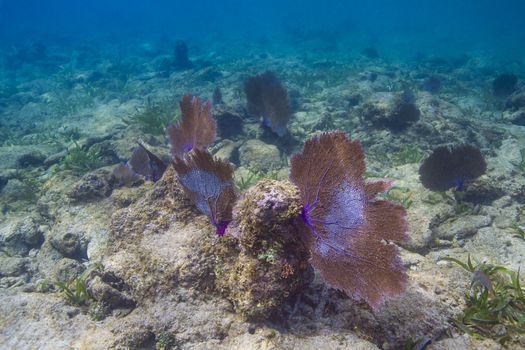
[
  {"x": 208, "y": 182},
  {"x": 347, "y": 229},
  {"x": 268, "y": 98},
  {"x": 449, "y": 167},
  {"x": 196, "y": 129}
]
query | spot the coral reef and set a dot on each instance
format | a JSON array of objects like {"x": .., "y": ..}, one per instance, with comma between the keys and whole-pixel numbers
[
  {"x": 272, "y": 265},
  {"x": 393, "y": 111},
  {"x": 71, "y": 114}
]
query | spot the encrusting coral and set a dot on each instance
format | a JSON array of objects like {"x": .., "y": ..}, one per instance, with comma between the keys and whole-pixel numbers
[{"x": 273, "y": 262}]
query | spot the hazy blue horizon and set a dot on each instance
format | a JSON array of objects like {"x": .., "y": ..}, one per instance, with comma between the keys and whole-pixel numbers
[{"x": 407, "y": 25}]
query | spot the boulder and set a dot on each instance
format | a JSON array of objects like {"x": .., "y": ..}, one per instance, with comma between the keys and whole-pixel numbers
[{"x": 259, "y": 156}]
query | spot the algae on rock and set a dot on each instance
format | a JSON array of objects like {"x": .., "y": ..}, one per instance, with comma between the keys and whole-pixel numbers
[{"x": 273, "y": 263}]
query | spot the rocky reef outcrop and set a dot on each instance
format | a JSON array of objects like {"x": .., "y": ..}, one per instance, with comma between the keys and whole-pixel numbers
[{"x": 272, "y": 265}]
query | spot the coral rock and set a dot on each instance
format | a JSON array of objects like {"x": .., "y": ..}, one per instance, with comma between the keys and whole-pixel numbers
[
  {"x": 103, "y": 292},
  {"x": 259, "y": 156},
  {"x": 67, "y": 243},
  {"x": 95, "y": 185},
  {"x": 273, "y": 263},
  {"x": 18, "y": 237},
  {"x": 392, "y": 111}
]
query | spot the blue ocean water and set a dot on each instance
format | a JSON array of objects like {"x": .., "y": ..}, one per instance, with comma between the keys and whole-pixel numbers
[{"x": 400, "y": 27}]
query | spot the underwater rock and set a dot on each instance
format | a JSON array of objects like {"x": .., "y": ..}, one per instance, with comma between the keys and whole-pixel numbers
[
  {"x": 55, "y": 158},
  {"x": 515, "y": 117},
  {"x": 3, "y": 182},
  {"x": 161, "y": 241},
  {"x": 273, "y": 263},
  {"x": 18, "y": 237},
  {"x": 259, "y": 156},
  {"x": 31, "y": 159},
  {"x": 67, "y": 243},
  {"x": 482, "y": 191},
  {"x": 432, "y": 84},
  {"x": 66, "y": 270},
  {"x": 16, "y": 190},
  {"x": 13, "y": 266},
  {"x": 461, "y": 227},
  {"x": 103, "y": 292},
  {"x": 417, "y": 315},
  {"x": 504, "y": 85},
  {"x": 516, "y": 101},
  {"x": 17, "y": 157},
  {"x": 353, "y": 99},
  {"x": 123, "y": 197},
  {"x": 209, "y": 74},
  {"x": 389, "y": 110},
  {"x": 464, "y": 341},
  {"x": 229, "y": 122},
  {"x": 92, "y": 186},
  {"x": 228, "y": 150}
]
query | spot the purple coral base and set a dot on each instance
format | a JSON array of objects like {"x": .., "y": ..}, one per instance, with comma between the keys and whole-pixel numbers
[{"x": 221, "y": 227}]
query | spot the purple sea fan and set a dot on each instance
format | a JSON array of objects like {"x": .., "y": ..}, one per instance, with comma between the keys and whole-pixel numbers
[
  {"x": 208, "y": 182},
  {"x": 347, "y": 229},
  {"x": 449, "y": 167},
  {"x": 268, "y": 98},
  {"x": 196, "y": 129}
]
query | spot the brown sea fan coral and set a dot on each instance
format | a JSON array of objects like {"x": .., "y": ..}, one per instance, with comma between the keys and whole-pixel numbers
[
  {"x": 347, "y": 229},
  {"x": 449, "y": 167},
  {"x": 208, "y": 182},
  {"x": 196, "y": 129},
  {"x": 268, "y": 98}
]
